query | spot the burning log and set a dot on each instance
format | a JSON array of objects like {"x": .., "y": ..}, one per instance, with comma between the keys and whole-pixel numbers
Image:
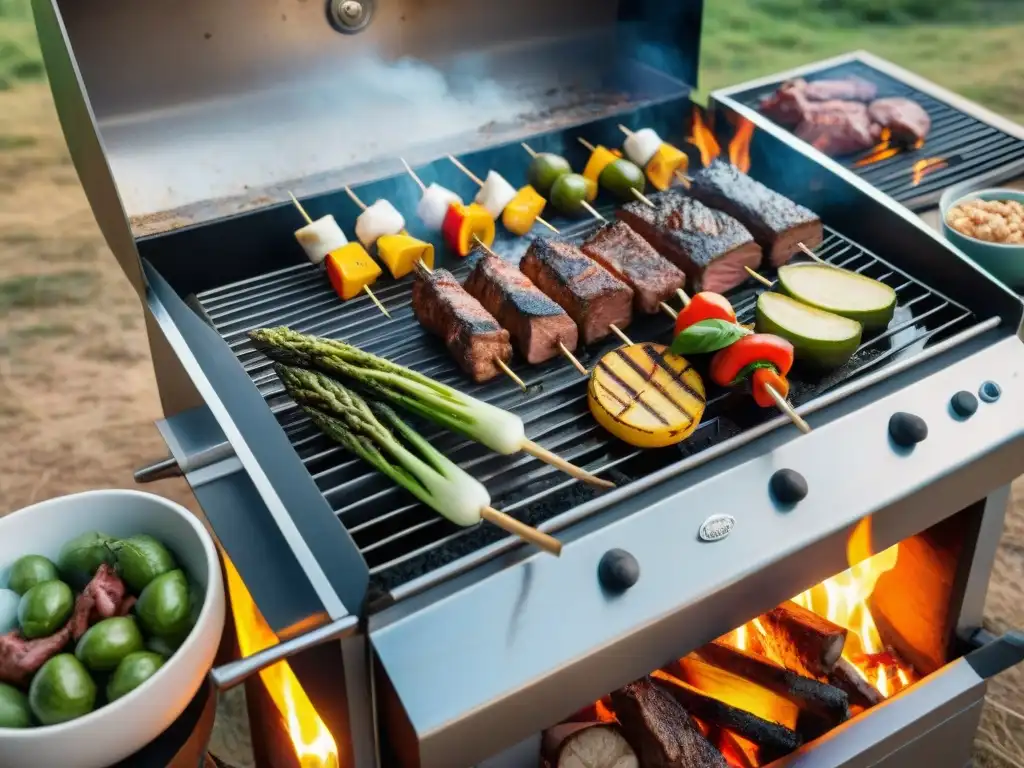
[
  {"x": 802, "y": 641},
  {"x": 737, "y": 751},
  {"x": 586, "y": 745},
  {"x": 660, "y": 730},
  {"x": 825, "y": 701},
  {"x": 861, "y": 692},
  {"x": 773, "y": 739}
]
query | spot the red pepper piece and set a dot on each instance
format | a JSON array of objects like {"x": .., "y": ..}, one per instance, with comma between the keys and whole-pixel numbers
[
  {"x": 728, "y": 364},
  {"x": 705, "y": 306},
  {"x": 764, "y": 378}
]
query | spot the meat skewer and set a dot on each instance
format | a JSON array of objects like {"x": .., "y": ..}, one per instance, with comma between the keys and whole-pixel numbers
[
  {"x": 583, "y": 203},
  {"x": 349, "y": 267},
  {"x": 538, "y": 326},
  {"x": 492, "y": 176}
]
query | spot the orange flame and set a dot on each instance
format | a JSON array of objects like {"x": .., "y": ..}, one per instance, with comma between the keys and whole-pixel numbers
[
  {"x": 739, "y": 147},
  {"x": 314, "y": 745},
  {"x": 704, "y": 140},
  {"x": 881, "y": 151},
  {"x": 929, "y": 165}
]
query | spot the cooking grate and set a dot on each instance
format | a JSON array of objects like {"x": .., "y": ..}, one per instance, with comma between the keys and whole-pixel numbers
[
  {"x": 400, "y": 538},
  {"x": 968, "y": 146}
]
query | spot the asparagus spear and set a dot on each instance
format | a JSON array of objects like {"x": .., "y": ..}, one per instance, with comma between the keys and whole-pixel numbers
[{"x": 499, "y": 430}]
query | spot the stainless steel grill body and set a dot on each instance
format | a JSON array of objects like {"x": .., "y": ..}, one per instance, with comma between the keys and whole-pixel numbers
[{"x": 474, "y": 641}]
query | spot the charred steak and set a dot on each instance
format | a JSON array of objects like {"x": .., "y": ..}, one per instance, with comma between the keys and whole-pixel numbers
[
  {"x": 844, "y": 89},
  {"x": 837, "y": 128},
  {"x": 474, "y": 338},
  {"x": 906, "y": 120},
  {"x": 789, "y": 103},
  {"x": 710, "y": 246},
  {"x": 776, "y": 222},
  {"x": 535, "y": 322},
  {"x": 630, "y": 258},
  {"x": 593, "y": 297}
]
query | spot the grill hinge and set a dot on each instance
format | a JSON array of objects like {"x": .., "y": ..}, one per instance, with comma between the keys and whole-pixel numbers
[{"x": 198, "y": 449}]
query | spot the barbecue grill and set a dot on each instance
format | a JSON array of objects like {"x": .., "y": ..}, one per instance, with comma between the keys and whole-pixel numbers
[
  {"x": 966, "y": 140},
  {"x": 421, "y": 644}
]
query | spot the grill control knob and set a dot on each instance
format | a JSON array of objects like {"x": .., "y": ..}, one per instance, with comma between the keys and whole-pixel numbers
[
  {"x": 964, "y": 404},
  {"x": 788, "y": 486},
  {"x": 907, "y": 430},
  {"x": 990, "y": 392},
  {"x": 618, "y": 570}
]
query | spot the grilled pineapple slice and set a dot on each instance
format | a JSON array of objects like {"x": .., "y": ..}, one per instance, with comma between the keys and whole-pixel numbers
[{"x": 646, "y": 396}]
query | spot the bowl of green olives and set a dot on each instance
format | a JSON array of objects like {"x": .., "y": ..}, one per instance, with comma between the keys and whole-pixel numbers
[{"x": 111, "y": 612}]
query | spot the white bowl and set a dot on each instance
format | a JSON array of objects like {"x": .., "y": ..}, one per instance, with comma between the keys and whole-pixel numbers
[{"x": 115, "y": 731}]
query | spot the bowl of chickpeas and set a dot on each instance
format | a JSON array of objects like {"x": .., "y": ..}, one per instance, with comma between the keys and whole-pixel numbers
[{"x": 988, "y": 226}]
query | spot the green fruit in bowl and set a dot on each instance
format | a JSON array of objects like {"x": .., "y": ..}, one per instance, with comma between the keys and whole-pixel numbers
[
  {"x": 14, "y": 709},
  {"x": 9, "y": 601},
  {"x": 164, "y": 607},
  {"x": 140, "y": 559},
  {"x": 163, "y": 646},
  {"x": 30, "y": 570},
  {"x": 81, "y": 557},
  {"x": 105, "y": 644},
  {"x": 61, "y": 690},
  {"x": 45, "y": 608},
  {"x": 134, "y": 669}
]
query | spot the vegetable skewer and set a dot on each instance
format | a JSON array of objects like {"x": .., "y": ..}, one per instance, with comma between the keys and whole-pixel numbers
[
  {"x": 565, "y": 350},
  {"x": 499, "y": 430},
  {"x": 369, "y": 431},
  {"x": 349, "y": 267},
  {"x": 661, "y": 162},
  {"x": 568, "y": 186},
  {"x": 620, "y": 176},
  {"x": 460, "y": 223},
  {"x": 399, "y": 251},
  {"x": 523, "y": 193}
]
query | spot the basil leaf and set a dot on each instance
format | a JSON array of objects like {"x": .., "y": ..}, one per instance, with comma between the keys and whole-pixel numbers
[
  {"x": 707, "y": 336},
  {"x": 748, "y": 371}
]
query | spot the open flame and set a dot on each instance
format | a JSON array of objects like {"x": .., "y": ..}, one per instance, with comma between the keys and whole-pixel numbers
[
  {"x": 704, "y": 140},
  {"x": 883, "y": 150},
  {"x": 314, "y": 745},
  {"x": 929, "y": 165}
]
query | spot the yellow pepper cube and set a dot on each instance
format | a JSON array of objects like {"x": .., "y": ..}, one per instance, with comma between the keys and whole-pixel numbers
[
  {"x": 400, "y": 253},
  {"x": 350, "y": 269},
  {"x": 600, "y": 159},
  {"x": 521, "y": 214},
  {"x": 662, "y": 168}
]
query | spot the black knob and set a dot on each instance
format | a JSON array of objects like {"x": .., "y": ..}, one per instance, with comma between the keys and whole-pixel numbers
[
  {"x": 907, "y": 430},
  {"x": 964, "y": 404},
  {"x": 788, "y": 486},
  {"x": 618, "y": 570}
]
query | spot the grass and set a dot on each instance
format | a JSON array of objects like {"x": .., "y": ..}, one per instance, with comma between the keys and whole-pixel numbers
[{"x": 59, "y": 289}]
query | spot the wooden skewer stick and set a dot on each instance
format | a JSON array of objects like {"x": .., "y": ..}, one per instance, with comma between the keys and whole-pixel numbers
[
  {"x": 542, "y": 453},
  {"x": 760, "y": 278},
  {"x": 678, "y": 174},
  {"x": 682, "y": 296},
  {"x": 529, "y": 150},
  {"x": 458, "y": 164},
  {"x": 788, "y": 409},
  {"x": 636, "y": 192},
  {"x": 366, "y": 288},
  {"x": 668, "y": 310},
  {"x": 525, "y": 532},
  {"x": 415, "y": 177},
  {"x": 593, "y": 211},
  {"x": 618, "y": 332},
  {"x": 362, "y": 206},
  {"x": 812, "y": 254},
  {"x": 510, "y": 373},
  {"x": 565, "y": 350}
]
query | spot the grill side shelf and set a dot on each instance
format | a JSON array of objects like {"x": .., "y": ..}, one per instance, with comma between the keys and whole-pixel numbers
[{"x": 325, "y": 551}]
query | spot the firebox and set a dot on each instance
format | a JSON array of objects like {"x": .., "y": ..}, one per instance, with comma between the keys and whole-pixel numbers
[{"x": 774, "y": 597}]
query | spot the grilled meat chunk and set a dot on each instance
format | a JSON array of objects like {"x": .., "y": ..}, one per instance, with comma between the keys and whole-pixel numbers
[
  {"x": 789, "y": 104},
  {"x": 906, "y": 120},
  {"x": 536, "y": 323},
  {"x": 844, "y": 89},
  {"x": 711, "y": 247},
  {"x": 593, "y": 297},
  {"x": 21, "y": 658},
  {"x": 474, "y": 338},
  {"x": 660, "y": 730},
  {"x": 776, "y": 222},
  {"x": 837, "y": 127},
  {"x": 632, "y": 260}
]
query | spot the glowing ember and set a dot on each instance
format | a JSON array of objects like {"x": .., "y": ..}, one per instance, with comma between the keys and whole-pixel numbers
[
  {"x": 739, "y": 147},
  {"x": 314, "y": 745},
  {"x": 881, "y": 151},
  {"x": 604, "y": 714},
  {"x": 704, "y": 140},
  {"x": 929, "y": 165}
]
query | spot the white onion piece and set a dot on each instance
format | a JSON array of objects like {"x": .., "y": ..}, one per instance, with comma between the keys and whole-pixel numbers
[
  {"x": 495, "y": 194},
  {"x": 501, "y": 431},
  {"x": 458, "y": 495},
  {"x": 381, "y": 218},
  {"x": 320, "y": 238},
  {"x": 641, "y": 146},
  {"x": 434, "y": 204}
]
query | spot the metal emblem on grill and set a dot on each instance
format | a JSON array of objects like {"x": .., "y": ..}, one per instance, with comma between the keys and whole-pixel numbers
[{"x": 716, "y": 527}]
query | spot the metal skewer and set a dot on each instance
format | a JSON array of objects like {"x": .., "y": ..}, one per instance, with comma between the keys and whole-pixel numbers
[
  {"x": 458, "y": 164},
  {"x": 366, "y": 288},
  {"x": 636, "y": 192},
  {"x": 565, "y": 350},
  {"x": 583, "y": 203},
  {"x": 678, "y": 174}
]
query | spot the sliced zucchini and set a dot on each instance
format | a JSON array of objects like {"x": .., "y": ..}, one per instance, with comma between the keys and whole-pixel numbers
[
  {"x": 821, "y": 339},
  {"x": 646, "y": 396},
  {"x": 841, "y": 292}
]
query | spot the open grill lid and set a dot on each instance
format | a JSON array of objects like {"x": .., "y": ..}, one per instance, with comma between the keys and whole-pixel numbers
[{"x": 204, "y": 110}]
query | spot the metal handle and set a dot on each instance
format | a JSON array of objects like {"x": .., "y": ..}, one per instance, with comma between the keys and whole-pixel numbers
[
  {"x": 229, "y": 675},
  {"x": 158, "y": 470},
  {"x": 993, "y": 654}
]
